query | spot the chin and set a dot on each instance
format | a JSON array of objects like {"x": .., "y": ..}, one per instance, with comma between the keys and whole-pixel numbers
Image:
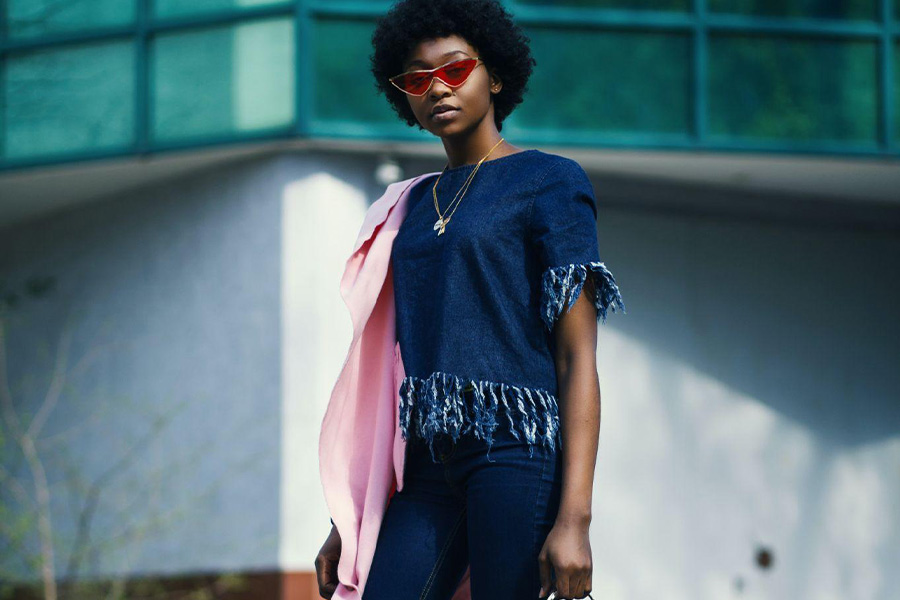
[
  {"x": 448, "y": 131},
  {"x": 457, "y": 127}
]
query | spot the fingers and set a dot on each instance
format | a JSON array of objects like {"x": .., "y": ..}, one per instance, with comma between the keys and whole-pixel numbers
[
  {"x": 562, "y": 586},
  {"x": 326, "y": 576},
  {"x": 544, "y": 566},
  {"x": 572, "y": 582}
]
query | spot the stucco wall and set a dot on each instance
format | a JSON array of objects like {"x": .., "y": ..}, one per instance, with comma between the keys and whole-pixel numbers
[{"x": 749, "y": 394}]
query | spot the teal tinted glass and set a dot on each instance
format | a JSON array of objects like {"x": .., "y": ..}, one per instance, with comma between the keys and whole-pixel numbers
[
  {"x": 897, "y": 93},
  {"x": 344, "y": 87},
  {"x": 35, "y": 18},
  {"x": 635, "y": 82},
  {"x": 223, "y": 80},
  {"x": 73, "y": 98},
  {"x": 622, "y": 4},
  {"x": 833, "y": 9},
  {"x": 182, "y": 8},
  {"x": 793, "y": 89}
]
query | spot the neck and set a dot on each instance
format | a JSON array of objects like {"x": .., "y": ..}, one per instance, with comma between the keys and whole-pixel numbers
[{"x": 472, "y": 149}]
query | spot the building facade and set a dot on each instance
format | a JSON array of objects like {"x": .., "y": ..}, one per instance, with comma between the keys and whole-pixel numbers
[{"x": 180, "y": 185}]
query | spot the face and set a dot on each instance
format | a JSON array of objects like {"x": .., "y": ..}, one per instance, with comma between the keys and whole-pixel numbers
[{"x": 473, "y": 98}]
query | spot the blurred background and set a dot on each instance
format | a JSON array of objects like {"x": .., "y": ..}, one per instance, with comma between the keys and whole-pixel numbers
[{"x": 181, "y": 183}]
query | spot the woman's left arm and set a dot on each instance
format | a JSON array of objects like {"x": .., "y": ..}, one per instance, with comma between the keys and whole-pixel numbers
[{"x": 567, "y": 547}]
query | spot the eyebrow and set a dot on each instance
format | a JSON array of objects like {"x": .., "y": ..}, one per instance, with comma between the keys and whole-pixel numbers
[{"x": 444, "y": 55}]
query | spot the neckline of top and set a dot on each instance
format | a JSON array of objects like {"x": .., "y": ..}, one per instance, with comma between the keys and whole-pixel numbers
[{"x": 488, "y": 162}]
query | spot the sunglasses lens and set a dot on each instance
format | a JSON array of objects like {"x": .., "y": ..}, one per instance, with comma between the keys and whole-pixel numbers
[
  {"x": 453, "y": 74},
  {"x": 413, "y": 83},
  {"x": 456, "y": 72}
]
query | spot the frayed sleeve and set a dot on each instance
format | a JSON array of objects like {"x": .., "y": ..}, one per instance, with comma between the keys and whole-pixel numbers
[{"x": 563, "y": 229}]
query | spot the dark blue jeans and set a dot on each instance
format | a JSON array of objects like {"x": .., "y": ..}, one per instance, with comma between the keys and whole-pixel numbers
[{"x": 466, "y": 509}]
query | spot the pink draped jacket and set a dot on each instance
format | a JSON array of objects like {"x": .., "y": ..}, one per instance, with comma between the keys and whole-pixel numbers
[{"x": 361, "y": 451}]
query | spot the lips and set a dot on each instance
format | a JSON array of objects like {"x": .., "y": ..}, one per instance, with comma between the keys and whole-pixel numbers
[
  {"x": 442, "y": 108},
  {"x": 444, "y": 113}
]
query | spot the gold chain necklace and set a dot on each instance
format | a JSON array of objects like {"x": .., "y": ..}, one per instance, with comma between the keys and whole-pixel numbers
[{"x": 442, "y": 221}]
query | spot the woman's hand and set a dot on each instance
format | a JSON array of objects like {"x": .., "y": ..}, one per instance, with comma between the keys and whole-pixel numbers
[
  {"x": 327, "y": 563},
  {"x": 568, "y": 550}
]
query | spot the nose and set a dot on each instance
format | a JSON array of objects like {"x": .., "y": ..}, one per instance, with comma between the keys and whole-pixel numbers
[{"x": 438, "y": 87}]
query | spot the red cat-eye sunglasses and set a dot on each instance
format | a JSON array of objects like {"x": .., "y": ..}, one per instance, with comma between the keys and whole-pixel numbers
[{"x": 454, "y": 74}]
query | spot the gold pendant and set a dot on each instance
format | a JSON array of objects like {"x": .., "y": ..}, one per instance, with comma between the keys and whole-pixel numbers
[{"x": 438, "y": 223}]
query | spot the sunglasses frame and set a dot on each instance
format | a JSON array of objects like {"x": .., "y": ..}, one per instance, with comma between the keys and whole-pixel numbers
[{"x": 433, "y": 77}]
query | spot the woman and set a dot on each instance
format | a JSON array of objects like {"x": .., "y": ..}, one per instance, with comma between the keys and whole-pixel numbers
[{"x": 499, "y": 342}]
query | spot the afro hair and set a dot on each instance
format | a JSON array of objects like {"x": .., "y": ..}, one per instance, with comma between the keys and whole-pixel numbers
[{"x": 485, "y": 24}]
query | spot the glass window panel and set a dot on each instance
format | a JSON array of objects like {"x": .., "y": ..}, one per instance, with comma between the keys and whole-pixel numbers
[
  {"x": 183, "y": 8},
  {"x": 620, "y": 81},
  {"x": 74, "y": 98},
  {"x": 619, "y": 4},
  {"x": 344, "y": 86},
  {"x": 833, "y": 9},
  {"x": 35, "y": 18},
  {"x": 793, "y": 89},
  {"x": 223, "y": 80},
  {"x": 897, "y": 93}
]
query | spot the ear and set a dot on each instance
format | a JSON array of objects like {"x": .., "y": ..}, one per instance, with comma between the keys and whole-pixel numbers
[{"x": 495, "y": 83}]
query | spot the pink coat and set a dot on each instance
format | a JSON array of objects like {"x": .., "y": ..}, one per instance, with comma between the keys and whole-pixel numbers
[{"x": 361, "y": 451}]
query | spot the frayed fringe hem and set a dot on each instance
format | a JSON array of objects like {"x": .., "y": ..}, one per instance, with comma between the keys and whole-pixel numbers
[
  {"x": 439, "y": 406},
  {"x": 566, "y": 282}
]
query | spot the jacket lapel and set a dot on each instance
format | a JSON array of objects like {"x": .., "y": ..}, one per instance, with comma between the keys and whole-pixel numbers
[
  {"x": 366, "y": 269},
  {"x": 361, "y": 450},
  {"x": 357, "y": 441}
]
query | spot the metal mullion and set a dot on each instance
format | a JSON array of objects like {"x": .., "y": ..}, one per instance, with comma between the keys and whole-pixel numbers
[
  {"x": 4, "y": 25},
  {"x": 149, "y": 25},
  {"x": 700, "y": 72},
  {"x": 69, "y": 39},
  {"x": 303, "y": 69},
  {"x": 79, "y": 156},
  {"x": 345, "y": 8},
  {"x": 3, "y": 106},
  {"x": 225, "y": 17},
  {"x": 142, "y": 77},
  {"x": 886, "y": 77},
  {"x": 793, "y": 25},
  {"x": 608, "y": 20}
]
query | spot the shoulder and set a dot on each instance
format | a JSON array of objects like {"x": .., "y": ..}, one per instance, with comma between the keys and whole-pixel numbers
[
  {"x": 397, "y": 189},
  {"x": 553, "y": 168},
  {"x": 378, "y": 211},
  {"x": 421, "y": 186},
  {"x": 561, "y": 185},
  {"x": 421, "y": 181},
  {"x": 417, "y": 181}
]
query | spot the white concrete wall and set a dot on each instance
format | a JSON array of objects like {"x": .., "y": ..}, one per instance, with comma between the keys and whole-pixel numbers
[
  {"x": 749, "y": 395},
  {"x": 748, "y": 401},
  {"x": 321, "y": 215},
  {"x": 173, "y": 393},
  {"x": 213, "y": 303}
]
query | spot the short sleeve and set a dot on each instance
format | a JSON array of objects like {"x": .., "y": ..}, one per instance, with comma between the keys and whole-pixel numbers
[{"x": 563, "y": 230}]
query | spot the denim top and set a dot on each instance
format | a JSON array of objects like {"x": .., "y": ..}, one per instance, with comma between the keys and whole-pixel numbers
[{"x": 476, "y": 306}]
